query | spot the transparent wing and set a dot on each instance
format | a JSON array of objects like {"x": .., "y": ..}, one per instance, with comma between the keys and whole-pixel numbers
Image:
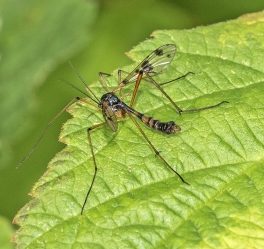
[
  {"x": 109, "y": 116},
  {"x": 156, "y": 62}
]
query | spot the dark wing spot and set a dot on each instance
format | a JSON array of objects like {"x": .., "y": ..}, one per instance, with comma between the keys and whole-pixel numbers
[
  {"x": 158, "y": 52},
  {"x": 145, "y": 64}
]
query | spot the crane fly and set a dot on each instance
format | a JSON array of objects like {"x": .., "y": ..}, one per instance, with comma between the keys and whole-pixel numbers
[{"x": 114, "y": 108}]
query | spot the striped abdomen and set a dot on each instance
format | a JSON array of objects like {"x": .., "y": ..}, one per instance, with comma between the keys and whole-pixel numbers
[{"x": 165, "y": 127}]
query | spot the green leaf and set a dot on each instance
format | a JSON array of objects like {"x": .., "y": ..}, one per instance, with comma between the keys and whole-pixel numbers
[
  {"x": 6, "y": 232},
  {"x": 136, "y": 201},
  {"x": 35, "y": 38}
]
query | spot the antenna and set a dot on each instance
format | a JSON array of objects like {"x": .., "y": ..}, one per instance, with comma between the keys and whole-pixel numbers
[{"x": 87, "y": 87}]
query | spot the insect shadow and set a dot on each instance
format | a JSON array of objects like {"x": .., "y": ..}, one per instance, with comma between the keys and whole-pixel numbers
[{"x": 114, "y": 108}]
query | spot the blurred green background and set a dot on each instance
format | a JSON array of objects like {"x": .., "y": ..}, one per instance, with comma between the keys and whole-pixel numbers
[{"x": 37, "y": 40}]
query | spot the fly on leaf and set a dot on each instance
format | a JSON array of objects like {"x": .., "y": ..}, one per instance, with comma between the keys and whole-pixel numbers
[{"x": 113, "y": 108}]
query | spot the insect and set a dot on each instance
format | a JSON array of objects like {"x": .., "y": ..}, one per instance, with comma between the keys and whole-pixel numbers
[{"x": 114, "y": 108}]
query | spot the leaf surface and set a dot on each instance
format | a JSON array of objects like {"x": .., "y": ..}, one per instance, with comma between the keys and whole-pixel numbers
[{"x": 136, "y": 202}]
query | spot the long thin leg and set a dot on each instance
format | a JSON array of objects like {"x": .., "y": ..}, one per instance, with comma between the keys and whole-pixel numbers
[
  {"x": 196, "y": 109},
  {"x": 119, "y": 75},
  {"x": 152, "y": 146},
  {"x": 204, "y": 108},
  {"x": 166, "y": 95},
  {"x": 103, "y": 79},
  {"x": 95, "y": 165},
  {"x": 151, "y": 80},
  {"x": 120, "y": 82},
  {"x": 181, "y": 77},
  {"x": 177, "y": 107},
  {"x": 139, "y": 78},
  {"x": 48, "y": 125}
]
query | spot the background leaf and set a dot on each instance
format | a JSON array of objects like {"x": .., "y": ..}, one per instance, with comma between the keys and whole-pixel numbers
[
  {"x": 28, "y": 63},
  {"x": 6, "y": 232},
  {"x": 136, "y": 201}
]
